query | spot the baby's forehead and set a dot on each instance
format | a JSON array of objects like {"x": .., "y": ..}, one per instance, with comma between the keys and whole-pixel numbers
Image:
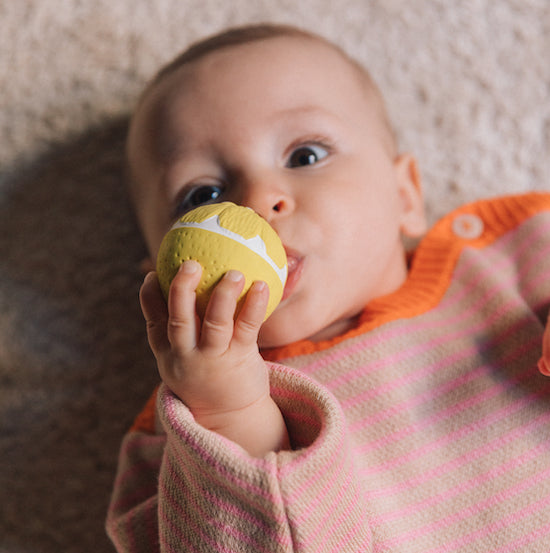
[
  {"x": 273, "y": 51},
  {"x": 284, "y": 54}
]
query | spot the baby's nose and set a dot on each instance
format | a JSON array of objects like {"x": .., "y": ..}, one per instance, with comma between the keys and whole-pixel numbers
[{"x": 269, "y": 203}]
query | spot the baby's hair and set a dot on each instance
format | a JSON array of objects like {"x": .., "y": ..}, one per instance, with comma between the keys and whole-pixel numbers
[
  {"x": 235, "y": 36},
  {"x": 238, "y": 36}
]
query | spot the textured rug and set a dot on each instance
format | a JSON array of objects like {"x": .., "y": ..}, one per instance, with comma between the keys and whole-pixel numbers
[{"x": 467, "y": 85}]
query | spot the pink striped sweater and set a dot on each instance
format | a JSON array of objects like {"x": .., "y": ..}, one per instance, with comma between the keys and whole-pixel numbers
[{"x": 426, "y": 429}]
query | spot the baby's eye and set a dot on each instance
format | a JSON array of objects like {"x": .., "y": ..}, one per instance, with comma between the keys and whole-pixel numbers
[
  {"x": 199, "y": 195},
  {"x": 306, "y": 155}
]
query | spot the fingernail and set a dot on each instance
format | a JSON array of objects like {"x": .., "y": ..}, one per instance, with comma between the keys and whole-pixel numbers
[
  {"x": 151, "y": 275},
  {"x": 189, "y": 267},
  {"x": 233, "y": 276},
  {"x": 259, "y": 285}
]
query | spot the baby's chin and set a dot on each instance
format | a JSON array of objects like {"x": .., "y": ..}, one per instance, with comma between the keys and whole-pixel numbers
[{"x": 276, "y": 335}]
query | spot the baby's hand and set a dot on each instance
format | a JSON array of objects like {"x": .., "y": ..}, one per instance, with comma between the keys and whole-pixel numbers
[
  {"x": 544, "y": 362},
  {"x": 215, "y": 368}
]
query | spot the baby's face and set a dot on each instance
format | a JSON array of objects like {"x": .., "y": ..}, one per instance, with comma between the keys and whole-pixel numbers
[{"x": 284, "y": 126}]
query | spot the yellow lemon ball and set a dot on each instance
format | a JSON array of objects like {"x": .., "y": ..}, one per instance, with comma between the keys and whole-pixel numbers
[{"x": 222, "y": 237}]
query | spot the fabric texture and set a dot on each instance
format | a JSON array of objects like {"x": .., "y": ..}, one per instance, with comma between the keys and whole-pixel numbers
[{"x": 426, "y": 429}]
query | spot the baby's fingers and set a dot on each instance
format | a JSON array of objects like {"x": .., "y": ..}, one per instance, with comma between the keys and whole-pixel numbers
[
  {"x": 251, "y": 316},
  {"x": 155, "y": 313},
  {"x": 183, "y": 324},
  {"x": 217, "y": 326}
]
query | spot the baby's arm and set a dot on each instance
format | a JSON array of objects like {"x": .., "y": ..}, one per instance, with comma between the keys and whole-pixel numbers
[
  {"x": 180, "y": 487},
  {"x": 544, "y": 363},
  {"x": 215, "y": 368}
]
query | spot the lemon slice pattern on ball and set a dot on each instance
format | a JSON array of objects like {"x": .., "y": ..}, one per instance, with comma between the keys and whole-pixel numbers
[{"x": 222, "y": 237}]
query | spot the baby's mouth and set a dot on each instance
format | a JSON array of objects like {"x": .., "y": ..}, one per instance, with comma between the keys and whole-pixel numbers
[{"x": 295, "y": 263}]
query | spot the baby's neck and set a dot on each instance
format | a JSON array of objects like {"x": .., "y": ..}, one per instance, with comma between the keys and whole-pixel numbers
[{"x": 335, "y": 329}]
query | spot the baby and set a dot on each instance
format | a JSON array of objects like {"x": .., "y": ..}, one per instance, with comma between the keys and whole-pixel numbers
[{"x": 382, "y": 406}]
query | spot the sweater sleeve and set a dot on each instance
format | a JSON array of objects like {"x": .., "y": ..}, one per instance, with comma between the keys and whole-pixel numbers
[{"x": 212, "y": 496}]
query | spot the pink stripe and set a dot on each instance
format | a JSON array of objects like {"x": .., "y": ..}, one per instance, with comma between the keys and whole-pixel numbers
[
  {"x": 460, "y": 489},
  {"x": 292, "y": 395},
  {"x": 329, "y": 525},
  {"x": 192, "y": 489},
  {"x": 419, "y": 375},
  {"x": 458, "y": 407},
  {"x": 351, "y": 540},
  {"x": 266, "y": 508},
  {"x": 316, "y": 506},
  {"x": 212, "y": 522},
  {"x": 331, "y": 423},
  {"x": 312, "y": 481},
  {"x": 267, "y": 532},
  {"x": 212, "y": 463},
  {"x": 239, "y": 495},
  {"x": 176, "y": 529},
  {"x": 125, "y": 537},
  {"x": 453, "y": 465},
  {"x": 524, "y": 540},
  {"x": 461, "y": 433},
  {"x": 329, "y": 465},
  {"x": 471, "y": 511},
  {"x": 259, "y": 525},
  {"x": 513, "y": 518},
  {"x": 240, "y": 492}
]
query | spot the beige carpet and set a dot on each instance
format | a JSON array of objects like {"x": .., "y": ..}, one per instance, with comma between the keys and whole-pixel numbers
[{"x": 467, "y": 84}]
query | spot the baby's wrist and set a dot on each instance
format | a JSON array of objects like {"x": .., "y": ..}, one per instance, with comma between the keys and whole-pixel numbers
[{"x": 258, "y": 428}]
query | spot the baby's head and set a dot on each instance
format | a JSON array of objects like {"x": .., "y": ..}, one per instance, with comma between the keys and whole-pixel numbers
[{"x": 282, "y": 121}]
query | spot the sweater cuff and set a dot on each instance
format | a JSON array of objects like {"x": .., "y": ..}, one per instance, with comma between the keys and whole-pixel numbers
[
  {"x": 225, "y": 495},
  {"x": 311, "y": 414}
]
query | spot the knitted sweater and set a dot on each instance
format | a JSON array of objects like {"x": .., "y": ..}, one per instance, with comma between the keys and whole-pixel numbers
[{"x": 425, "y": 429}]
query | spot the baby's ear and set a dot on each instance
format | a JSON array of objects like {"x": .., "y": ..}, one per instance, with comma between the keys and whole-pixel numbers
[
  {"x": 413, "y": 217},
  {"x": 146, "y": 266}
]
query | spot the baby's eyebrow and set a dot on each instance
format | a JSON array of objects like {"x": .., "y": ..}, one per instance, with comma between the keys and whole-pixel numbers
[{"x": 171, "y": 149}]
